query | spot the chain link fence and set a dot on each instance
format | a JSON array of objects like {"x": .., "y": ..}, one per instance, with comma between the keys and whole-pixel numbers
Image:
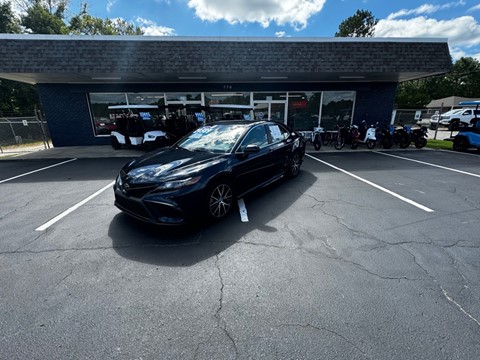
[{"x": 22, "y": 132}]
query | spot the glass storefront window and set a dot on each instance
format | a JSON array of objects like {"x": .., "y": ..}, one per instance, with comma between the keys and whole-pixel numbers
[
  {"x": 145, "y": 98},
  {"x": 238, "y": 98},
  {"x": 303, "y": 110},
  {"x": 103, "y": 119},
  {"x": 259, "y": 96},
  {"x": 179, "y": 97},
  {"x": 337, "y": 108}
]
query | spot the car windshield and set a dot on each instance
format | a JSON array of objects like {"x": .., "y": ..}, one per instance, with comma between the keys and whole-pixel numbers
[{"x": 220, "y": 138}]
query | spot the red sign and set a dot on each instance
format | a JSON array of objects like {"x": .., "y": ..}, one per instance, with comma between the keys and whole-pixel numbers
[{"x": 298, "y": 104}]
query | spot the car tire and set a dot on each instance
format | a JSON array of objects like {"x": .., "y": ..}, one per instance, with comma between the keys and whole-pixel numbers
[
  {"x": 115, "y": 144},
  {"x": 460, "y": 144},
  {"x": 294, "y": 164},
  {"x": 404, "y": 142},
  {"x": 387, "y": 143},
  {"x": 454, "y": 125},
  {"x": 220, "y": 199},
  {"x": 148, "y": 146},
  {"x": 339, "y": 142},
  {"x": 420, "y": 143}
]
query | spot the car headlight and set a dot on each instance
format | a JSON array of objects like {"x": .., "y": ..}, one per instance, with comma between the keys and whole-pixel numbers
[
  {"x": 119, "y": 182},
  {"x": 177, "y": 184}
]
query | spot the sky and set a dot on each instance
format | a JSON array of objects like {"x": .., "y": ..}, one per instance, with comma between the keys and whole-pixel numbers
[{"x": 455, "y": 20}]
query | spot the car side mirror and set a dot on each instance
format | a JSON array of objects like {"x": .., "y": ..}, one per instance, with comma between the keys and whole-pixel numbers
[{"x": 251, "y": 149}]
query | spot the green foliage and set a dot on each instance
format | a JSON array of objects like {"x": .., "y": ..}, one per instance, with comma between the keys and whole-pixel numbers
[
  {"x": 86, "y": 24},
  {"x": 463, "y": 80},
  {"x": 439, "y": 144},
  {"x": 362, "y": 24},
  {"x": 9, "y": 24},
  {"x": 42, "y": 18},
  {"x": 17, "y": 99}
]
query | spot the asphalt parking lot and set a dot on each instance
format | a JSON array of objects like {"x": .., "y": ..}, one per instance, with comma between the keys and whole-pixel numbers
[{"x": 364, "y": 255}]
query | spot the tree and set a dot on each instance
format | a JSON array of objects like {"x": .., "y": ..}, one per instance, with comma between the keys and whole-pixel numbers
[
  {"x": 362, "y": 24},
  {"x": 85, "y": 24},
  {"x": 17, "y": 99},
  {"x": 465, "y": 78},
  {"x": 9, "y": 24},
  {"x": 45, "y": 17}
]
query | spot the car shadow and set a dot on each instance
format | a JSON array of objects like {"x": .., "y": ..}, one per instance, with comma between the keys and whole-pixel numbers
[{"x": 188, "y": 245}]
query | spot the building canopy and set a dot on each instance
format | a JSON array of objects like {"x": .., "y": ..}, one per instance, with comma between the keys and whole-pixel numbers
[{"x": 49, "y": 59}]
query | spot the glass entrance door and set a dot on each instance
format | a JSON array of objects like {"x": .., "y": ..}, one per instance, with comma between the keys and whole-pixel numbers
[{"x": 271, "y": 110}]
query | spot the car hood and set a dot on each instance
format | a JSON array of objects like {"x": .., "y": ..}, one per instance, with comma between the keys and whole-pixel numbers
[{"x": 171, "y": 161}]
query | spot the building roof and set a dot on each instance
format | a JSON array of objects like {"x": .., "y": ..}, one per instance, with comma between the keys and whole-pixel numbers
[
  {"x": 147, "y": 59},
  {"x": 448, "y": 102}
]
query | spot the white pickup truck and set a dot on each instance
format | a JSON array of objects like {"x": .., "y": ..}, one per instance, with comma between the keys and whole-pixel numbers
[{"x": 463, "y": 117}]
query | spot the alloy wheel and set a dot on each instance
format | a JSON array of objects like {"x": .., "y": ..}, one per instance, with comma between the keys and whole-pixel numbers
[{"x": 221, "y": 200}]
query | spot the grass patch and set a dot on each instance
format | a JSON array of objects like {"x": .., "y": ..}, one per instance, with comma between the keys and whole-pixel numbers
[{"x": 439, "y": 144}]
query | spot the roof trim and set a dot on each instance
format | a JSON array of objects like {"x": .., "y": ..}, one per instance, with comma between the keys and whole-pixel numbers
[{"x": 218, "y": 38}]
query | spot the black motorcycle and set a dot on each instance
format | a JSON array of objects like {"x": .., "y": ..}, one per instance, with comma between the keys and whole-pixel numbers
[
  {"x": 401, "y": 137},
  {"x": 419, "y": 136},
  {"x": 383, "y": 135},
  {"x": 344, "y": 136}
]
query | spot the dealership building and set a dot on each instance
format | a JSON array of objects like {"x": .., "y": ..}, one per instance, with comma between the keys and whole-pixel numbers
[{"x": 302, "y": 82}]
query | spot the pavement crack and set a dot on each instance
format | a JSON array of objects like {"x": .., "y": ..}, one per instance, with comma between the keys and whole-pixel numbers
[
  {"x": 220, "y": 322},
  {"x": 417, "y": 263},
  {"x": 65, "y": 277},
  {"x": 306, "y": 326},
  {"x": 449, "y": 298}
]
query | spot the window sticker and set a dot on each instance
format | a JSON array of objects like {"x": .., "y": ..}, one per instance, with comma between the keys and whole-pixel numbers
[
  {"x": 200, "y": 132},
  {"x": 276, "y": 133}
]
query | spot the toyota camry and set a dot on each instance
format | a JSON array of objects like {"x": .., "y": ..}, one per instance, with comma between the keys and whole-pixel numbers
[{"x": 204, "y": 173}]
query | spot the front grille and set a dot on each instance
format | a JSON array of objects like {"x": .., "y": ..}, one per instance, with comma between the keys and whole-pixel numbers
[{"x": 132, "y": 206}]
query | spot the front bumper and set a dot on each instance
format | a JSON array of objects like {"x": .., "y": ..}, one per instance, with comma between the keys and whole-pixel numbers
[{"x": 172, "y": 208}]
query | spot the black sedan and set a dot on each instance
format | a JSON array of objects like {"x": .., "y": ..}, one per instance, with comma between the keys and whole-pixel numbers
[{"x": 204, "y": 173}]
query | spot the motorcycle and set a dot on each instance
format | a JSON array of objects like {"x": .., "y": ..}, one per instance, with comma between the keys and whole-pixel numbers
[
  {"x": 344, "y": 136},
  {"x": 364, "y": 136},
  {"x": 384, "y": 137},
  {"x": 401, "y": 137},
  {"x": 418, "y": 136}
]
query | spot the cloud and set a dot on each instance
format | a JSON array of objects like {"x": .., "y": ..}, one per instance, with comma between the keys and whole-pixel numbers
[
  {"x": 462, "y": 32},
  {"x": 110, "y": 4},
  {"x": 295, "y": 13},
  {"x": 474, "y": 8},
  {"x": 151, "y": 28},
  {"x": 424, "y": 9},
  {"x": 280, "y": 34}
]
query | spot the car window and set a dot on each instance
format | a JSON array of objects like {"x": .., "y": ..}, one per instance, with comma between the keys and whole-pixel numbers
[
  {"x": 278, "y": 132},
  {"x": 256, "y": 136},
  {"x": 214, "y": 138}
]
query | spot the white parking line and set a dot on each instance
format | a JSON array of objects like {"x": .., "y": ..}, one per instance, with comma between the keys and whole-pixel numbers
[
  {"x": 400, "y": 197},
  {"x": 243, "y": 210},
  {"x": 429, "y": 164},
  {"x": 73, "y": 208},
  {"x": 34, "y": 171}
]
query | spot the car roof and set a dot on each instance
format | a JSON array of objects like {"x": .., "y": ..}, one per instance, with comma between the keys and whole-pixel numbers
[
  {"x": 475, "y": 102},
  {"x": 247, "y": 123}
]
